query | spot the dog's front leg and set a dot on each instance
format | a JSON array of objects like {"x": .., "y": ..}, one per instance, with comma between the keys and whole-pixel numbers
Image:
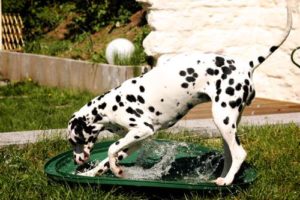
[
  {"x": 104, "y": 166},
  {"x": 133, "y": 137}
]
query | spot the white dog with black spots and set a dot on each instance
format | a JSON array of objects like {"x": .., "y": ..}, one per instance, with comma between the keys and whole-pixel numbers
[{"x": 158, "y": 99}]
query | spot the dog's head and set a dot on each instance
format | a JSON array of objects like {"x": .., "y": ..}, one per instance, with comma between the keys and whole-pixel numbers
[{"x": 82, "y": 138}]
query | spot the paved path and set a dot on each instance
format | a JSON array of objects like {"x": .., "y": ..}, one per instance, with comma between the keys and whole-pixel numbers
[{"x": 205, "y": 127}]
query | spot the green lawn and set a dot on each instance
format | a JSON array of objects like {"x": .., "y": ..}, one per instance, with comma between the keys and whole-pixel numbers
[
  {"x": 27, "y": 106},
  {"x": 273, "y": 150}
]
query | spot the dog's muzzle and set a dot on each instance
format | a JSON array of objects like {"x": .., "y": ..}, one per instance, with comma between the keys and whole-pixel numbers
[{"x": 80, "y": 155}]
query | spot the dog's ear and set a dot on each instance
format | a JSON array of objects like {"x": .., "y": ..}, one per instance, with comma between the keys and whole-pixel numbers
[{"x": 151, "y": 61}]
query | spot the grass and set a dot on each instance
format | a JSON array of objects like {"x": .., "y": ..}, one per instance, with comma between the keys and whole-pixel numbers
[
  {"x": 91, "y": 47},
  {"x": 272, "y": 149},
  {"x": 28, "y": 106}
]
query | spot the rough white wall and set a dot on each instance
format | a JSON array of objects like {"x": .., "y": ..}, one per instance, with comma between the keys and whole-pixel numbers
[{"x": 241, "y": 28}]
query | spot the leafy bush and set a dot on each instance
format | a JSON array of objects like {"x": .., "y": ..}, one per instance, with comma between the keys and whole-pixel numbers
[
  {"x": 94, "y": 14},
  {"x": 39, "y": 16}
]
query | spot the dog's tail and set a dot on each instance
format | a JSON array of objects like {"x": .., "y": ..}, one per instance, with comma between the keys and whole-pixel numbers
[{"x": 255, "y": 63}]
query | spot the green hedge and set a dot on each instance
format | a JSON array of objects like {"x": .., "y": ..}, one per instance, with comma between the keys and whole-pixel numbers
[{"x": 41, "y": 16}]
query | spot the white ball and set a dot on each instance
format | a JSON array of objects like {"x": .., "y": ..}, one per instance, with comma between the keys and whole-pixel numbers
[{"x": 120, "y": 47}]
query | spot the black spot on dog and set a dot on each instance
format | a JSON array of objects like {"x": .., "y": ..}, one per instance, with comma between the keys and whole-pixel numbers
[
  {"x": 182, "y": 73},
  {"x": 247, "y": 82},
  {"x": 229, "y": 91},
  {"x": 190, "y": 79},
  {"x": 89, "y": 103},
  {"x": 210, "y": 71},
  {"x": 142, "y": 89},
  {"x": 224, "y": 76},
  {"x": 251, "y": 64},
  {"x": 216, "y": 72},
  {"x": 151, "y": 108},
  {"x": 251, "y": 97},
  {"x": 238, "y": 86},
  {"x": 121, "y": 104},
  {"x": 217, "y": 98},
  {"x": 130, "y": 98},
  {"x": 140, "y": 99},
  {"x": 132, "y": 125},
  {"x": 91, "y": 138},
  {"x": 226, "y": 70},
  {"x": 246, "y": 93},
  {"x": 149, "y": 125},
  {"x": 229, "y": 62},
  {"x": 162, "y": 100},
  {"x": 118, "y": 98},
  {"x": 94, "y": 111},
  {"x": 273, "y": 48},
  {"x": 139, "y": 111},
  {"x": 261, "y": 59},
  {"x": 131, "y": 111},
  {"x": 136, "y": 137},
  {"x": 184, "y": 85},
  {"x": 158, "y": 113},
  {"x": 226, "y": 120},
  {"x": 100, "y": 97},
  {"x": 133, "y": 81},
  {"x": 238, "y": 102},
  {"x": 219, "y": 91},
  {"x": 223, "y": 104},
  {"x": 232, "y": 67},
  {"x": 190, "y": 70},
  {"x": 114, "y": 108},
  {"x": 132, "y": 119},
  {"x": 218, "y": 84},
  {"x": 97, "y": 118},
  {"x": 232, "y": 104},
  {"x": 198, "y": 62},
  {"x": 120, "y": 157},
  {"x": 231, "y": 81},
  {"x": 219, "y": 61},
  {"x": 107, "y": 165},
  {"x": 102, "y": 106},
  {"x": 195, "y": 75},
  {"x": 233, "y": 126},
  {"x": 117, "y": 143}
]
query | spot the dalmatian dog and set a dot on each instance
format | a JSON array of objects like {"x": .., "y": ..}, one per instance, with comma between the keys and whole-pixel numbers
[{"x": 159, "y": 98}]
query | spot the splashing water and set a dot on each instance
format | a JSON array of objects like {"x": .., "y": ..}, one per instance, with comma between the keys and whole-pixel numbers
[{"x": 174, "y": 161}]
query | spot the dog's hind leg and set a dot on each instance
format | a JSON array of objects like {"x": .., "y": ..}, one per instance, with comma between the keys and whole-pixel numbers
[{"x": 226, "y": 120}]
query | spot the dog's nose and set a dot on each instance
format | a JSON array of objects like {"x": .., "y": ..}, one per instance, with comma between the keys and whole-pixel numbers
[
  {"x": 86, "y": 155},
  {"x": 79, "y": 160}
]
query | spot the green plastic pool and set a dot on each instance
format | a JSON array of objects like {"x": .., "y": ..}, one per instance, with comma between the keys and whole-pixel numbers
[{"x": 182, "y": 168}]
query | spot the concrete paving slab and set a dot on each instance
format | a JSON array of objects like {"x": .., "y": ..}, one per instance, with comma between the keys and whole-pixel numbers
[{"x": 205, "y": 128}]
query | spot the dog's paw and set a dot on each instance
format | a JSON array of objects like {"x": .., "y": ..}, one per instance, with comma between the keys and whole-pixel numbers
[
  {"x": 118, "y": 172},
  {"x": 222, "y": 181}
]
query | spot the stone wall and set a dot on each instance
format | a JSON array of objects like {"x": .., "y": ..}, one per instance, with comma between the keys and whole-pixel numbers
[
  {"x": 241, "y": 28},
  {"x": 60, "y": 72}
]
